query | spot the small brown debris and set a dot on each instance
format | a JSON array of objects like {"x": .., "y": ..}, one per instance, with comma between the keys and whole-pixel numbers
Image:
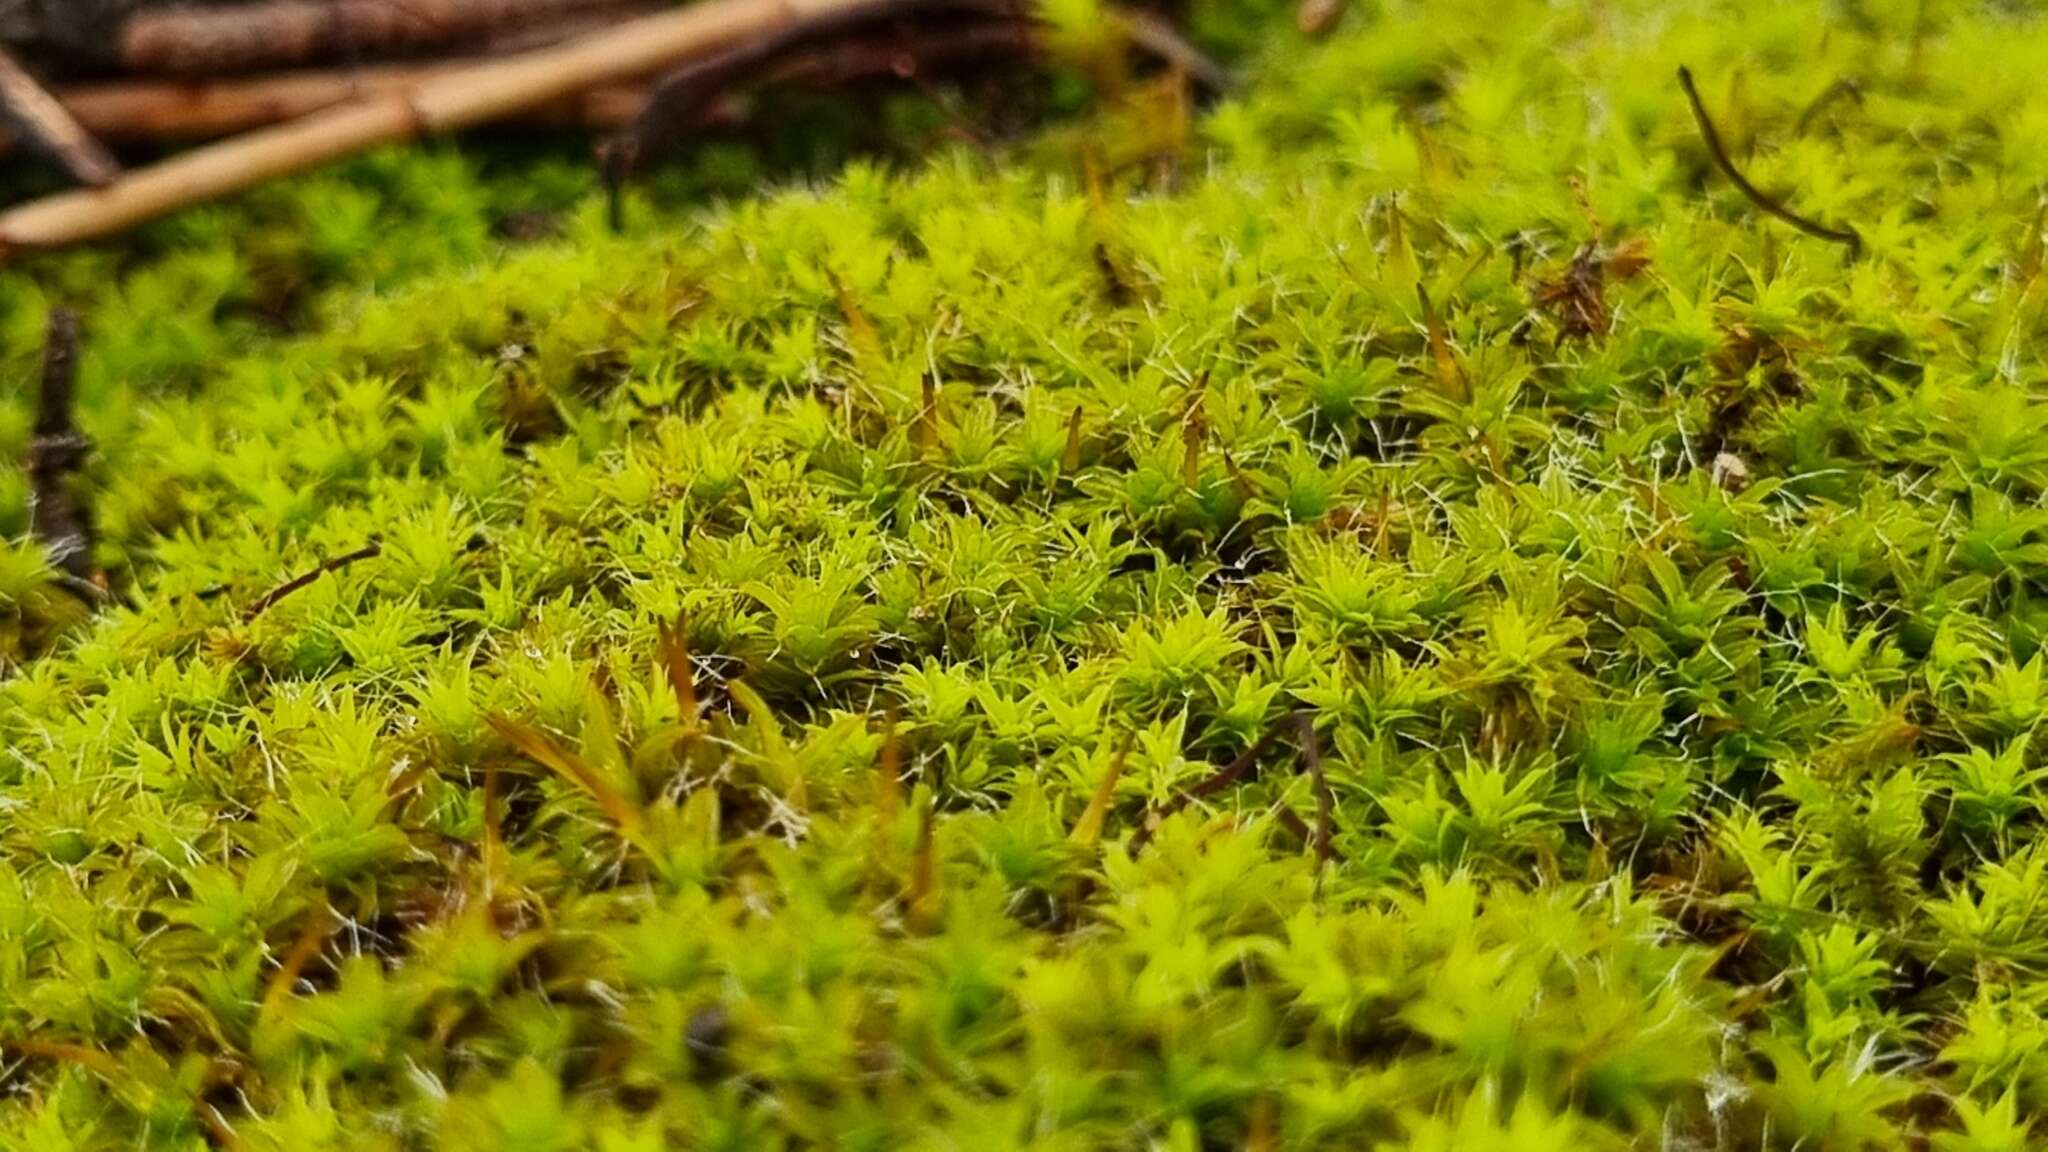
[{"x": 1577, "y": 296}]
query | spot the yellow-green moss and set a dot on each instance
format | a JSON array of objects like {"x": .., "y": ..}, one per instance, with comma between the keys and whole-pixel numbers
[{"x": 1665, "y": 588}]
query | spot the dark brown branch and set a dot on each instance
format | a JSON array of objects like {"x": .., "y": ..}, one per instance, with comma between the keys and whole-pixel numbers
[
  {"x": 473, "y": 95},
  {"x": 901, "y": 38},
  {"x": 212, "y": 39},
  {"x": 1115, "y": 284},
  {"x": 1245, "y": 767},
  {"x": 837, "y": 48},
  {"x": 40, "y": 118},
  {"x": 163, "y": 111},
  {"x": 270, "y": 598},
  {"x": 1238, "y": 769},
  {"x": 59, "y": 519},
  {"x": 1844, "y": 236},
  {"x": 1326, "y": 802}
]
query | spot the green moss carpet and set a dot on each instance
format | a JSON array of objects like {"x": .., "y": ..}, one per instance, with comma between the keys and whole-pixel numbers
[{"x": 1404, "y": 612}]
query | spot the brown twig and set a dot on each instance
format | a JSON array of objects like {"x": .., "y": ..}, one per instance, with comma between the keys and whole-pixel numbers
[
  {"x": 79, "y": 1055},
  {"x": 1844, "y": 236},
  {"x": 1326, "y": 801},
  {"x": 460, "y": 99},
  {"x": 926, "y": 430},
  {"x": 211, "y": 39},
  {"x": 834, "y": 47},
  {"x": 889, "y": 771},
  {"x": 171, "y": 111},
  {"x": 1323, "y": 836},
  {"x": 1222, "y": 778},
  {"x": 44, "y": 120},
  {"x": 311, "y": 939},
  {"x": 908, "y": 39},
  {"x": 303, "y": 579},
  {"x": 1115, "y": 284},
  {"x": 59, "y": 519}
]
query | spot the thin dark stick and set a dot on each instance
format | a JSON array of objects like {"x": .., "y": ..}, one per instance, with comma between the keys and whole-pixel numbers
[
  {"x": 1326, "y": 802},
  {"x": 1845, "y": 236},
  {"x": 825, "y": 50},
  {"x": 51, "y": 126},
  {"x": 59, "y": 520},
  {"x": 1840, "y": 89},
  {"x": 911, "y": 35},
  {"x": 1222, "y": 778},
  {"x": 366, "y": 552}
]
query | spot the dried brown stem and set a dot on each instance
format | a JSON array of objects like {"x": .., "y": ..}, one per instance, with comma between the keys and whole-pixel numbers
[
  {"x": 60, "y": 520},
  {"x": 303, "y": 579},
  {"x": 44, "y": 120},
  {"x": 1844, "y": 236},
  {"x": 889, "y": 771},
  {"x": 212, "y": 39},
  {"x": 901, "y": 38},
  {"x": 833, "y": 48},
  {"x": 169, "y": 111},
  {"x": 541, "y": 748},
  {"x": 1326, "y": 801},
  {"x": 457, "y": 100},
  {"x": 1244, "y": 765},
  {"x": 1088, "y": 829}
]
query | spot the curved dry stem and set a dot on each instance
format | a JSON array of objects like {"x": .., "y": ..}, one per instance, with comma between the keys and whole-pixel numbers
[{"x": 1814, "y": 228}]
